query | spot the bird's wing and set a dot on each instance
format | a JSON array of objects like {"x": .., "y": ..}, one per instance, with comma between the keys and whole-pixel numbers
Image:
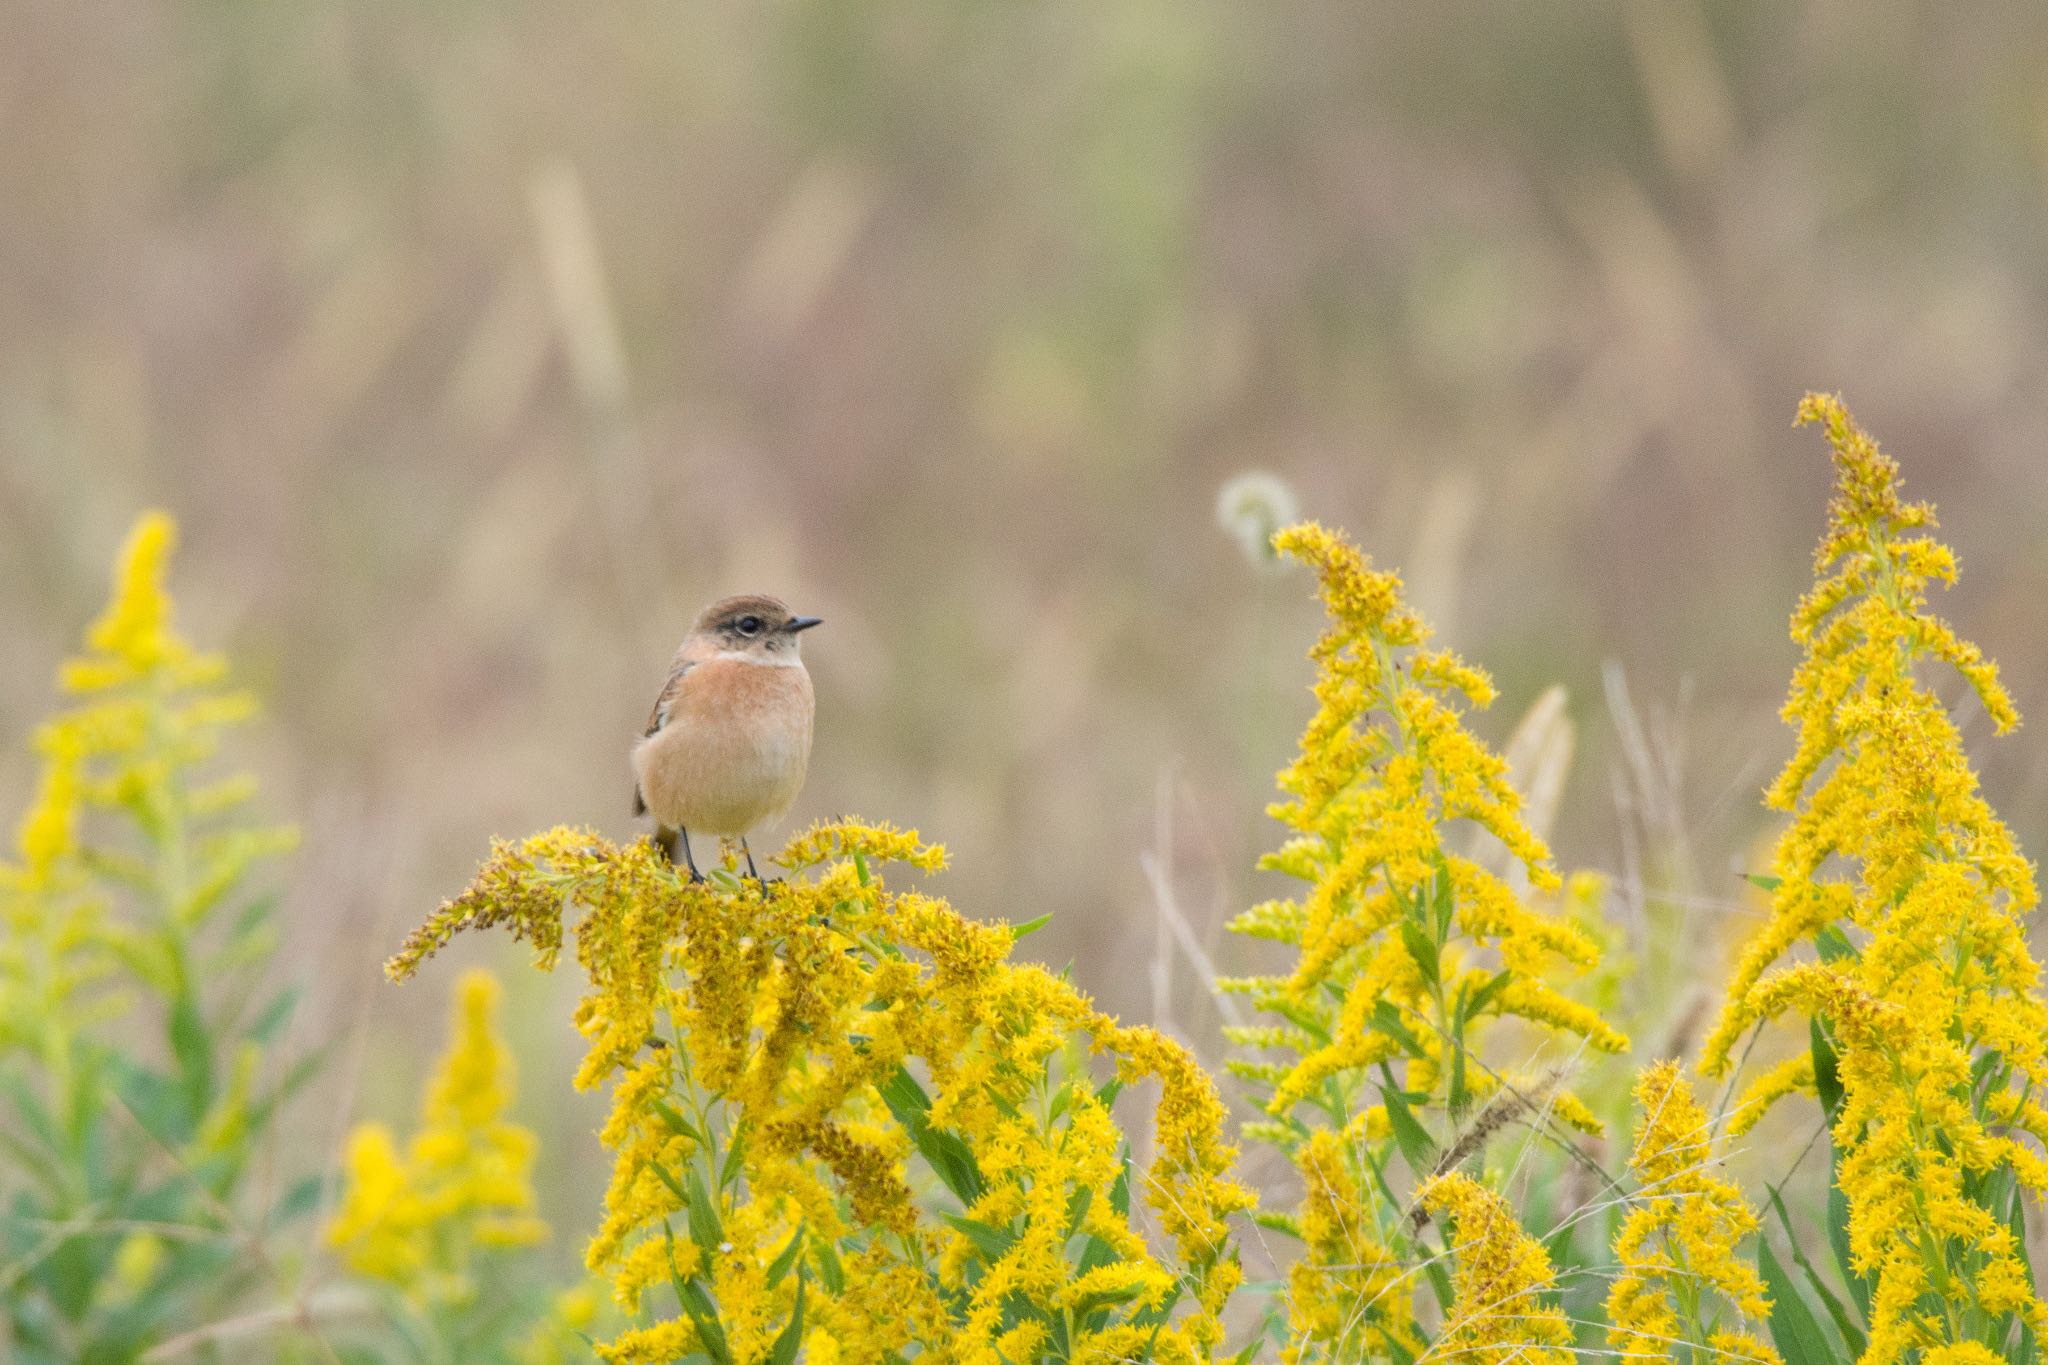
[{"x": 659, "y": 716}]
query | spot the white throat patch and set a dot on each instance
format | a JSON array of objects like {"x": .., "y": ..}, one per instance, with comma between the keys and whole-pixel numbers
[{"x": 762, "y": 658}]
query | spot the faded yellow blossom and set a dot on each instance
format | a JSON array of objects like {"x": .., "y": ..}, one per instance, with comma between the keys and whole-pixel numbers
[{"x": 419, "y": 1219}]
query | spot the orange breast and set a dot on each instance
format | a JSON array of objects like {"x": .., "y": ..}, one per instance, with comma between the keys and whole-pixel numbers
[{"x": 735, "y": 748}]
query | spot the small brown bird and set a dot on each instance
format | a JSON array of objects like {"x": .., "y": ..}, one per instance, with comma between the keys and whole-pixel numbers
[{"x": 726, "y": 748}]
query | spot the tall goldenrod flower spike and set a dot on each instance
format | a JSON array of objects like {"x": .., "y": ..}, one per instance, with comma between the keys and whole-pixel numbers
[
  {"x": 1408, "y": 947},
  {"x": 1867, "y": 551},
  {"x": 132, "y": 751},
  {"x": 1878, "y": 763},
  {"x": 1392, "y": 927},
  {"x": 474, "y": 1084},
  {"x": 1928, "y": 993}
]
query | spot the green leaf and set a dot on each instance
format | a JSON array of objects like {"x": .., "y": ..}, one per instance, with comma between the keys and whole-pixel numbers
[
  {"x": 951, "y": 1159},
  {"x": 1094, "y": 1252},
  {"x": 1422, "y": 948},
  {"x": 830, "y": 1273},
  {"x": 704, "y": 1317},
  {"x": 1413, "y": 1139},
  {"x": 1386, "y": 1017},
  {"x": 1303, "y": 1017},
  {"x": 1286, "y": 1224},
  {"x": 677, "y": 1123},
  {"x": 905, "y": 1097},
  {"x": 1077, "y": 1207},
  {"x": 30, "y": 1111},
  {"x": 193, "y": 1050},
  {"x": 1484, "y": 996},
  {"x": 778, "y": 1269},
  {"x": 705, "y": 1229},
  {"x": 158, "y": 1102},
  {"x": 1107, "y": 1298},
  {"x": 272, "y": 1016},
  {"x": 667, "y": 1177},
  {"x": 1157, "y": 1315},
  {"x": 1763, "y": 883},
  {"x": 1445, "y": 905},
  {"x": 302, "y": 1198},
  {"x": 1827, "y": 1076},
  {"x": 2028, "y": 1350},
  {"x": 1558, "y": 1245},
  {"x": 257, "y": 913},
  {"x": 1834, "y": 945},
  {"x": 992, "y": 1242},
  {"x": 1851, "y": 1334},
  {"x": 735, "y": 1159},
  {"x": 1061, "y": 1098},
  {"x": 1793, "y": 1328},
  {"x": 784, "y": 1350},
  {"x": 1030, "y": 926}
]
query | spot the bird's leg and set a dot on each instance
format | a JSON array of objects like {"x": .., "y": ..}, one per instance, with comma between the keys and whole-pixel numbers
[
  {"x": 752, "y": 871},
  {"x": 670, "y": 840}
]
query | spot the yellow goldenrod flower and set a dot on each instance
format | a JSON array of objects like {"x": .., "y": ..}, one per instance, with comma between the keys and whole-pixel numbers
[
  {"x": 1794, "y": 1075},
  {"x": 126, "y": 918},
  {"x": 134, "y": 640},
  {"x": 843, "y": 1117},
  {"x": 150, "y": 716},
  {"x": 1406, "y": 948},
  {"x": 1389, "y": 932},
  {"x": 1896, "y": 866},
  {"x": 1677, "y": 1247},
  {"x": 1502, "y": 1280},
  {"x": 1347, "y": 1297},
  {"x": 418, "y": 1220}
]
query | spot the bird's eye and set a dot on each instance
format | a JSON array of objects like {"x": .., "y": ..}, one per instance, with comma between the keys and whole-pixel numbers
[{"x": 750, "y": 625}]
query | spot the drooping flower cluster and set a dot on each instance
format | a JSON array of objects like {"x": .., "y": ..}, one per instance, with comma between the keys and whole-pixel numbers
[
  {"x": 1910, "y": 886},
  {"x": 418, "y": 1219},
  {"x": 1683, "y": 1292},
  {"x": 843, "y": 1119},
  {"x": 1405, "y": 948}
]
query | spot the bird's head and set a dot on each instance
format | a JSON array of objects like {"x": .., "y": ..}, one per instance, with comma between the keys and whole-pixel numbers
[{"x": 752, "y": 627}]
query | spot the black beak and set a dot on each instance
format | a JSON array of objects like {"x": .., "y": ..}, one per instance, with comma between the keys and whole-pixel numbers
[{"x": 797, "y": 623}]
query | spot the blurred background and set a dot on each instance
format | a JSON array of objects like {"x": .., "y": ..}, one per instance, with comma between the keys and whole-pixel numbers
[{"x": 476, "y": 346}]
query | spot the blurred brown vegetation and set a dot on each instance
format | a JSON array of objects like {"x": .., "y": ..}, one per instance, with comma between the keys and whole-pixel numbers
[{"x": 476, "y": 345}]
